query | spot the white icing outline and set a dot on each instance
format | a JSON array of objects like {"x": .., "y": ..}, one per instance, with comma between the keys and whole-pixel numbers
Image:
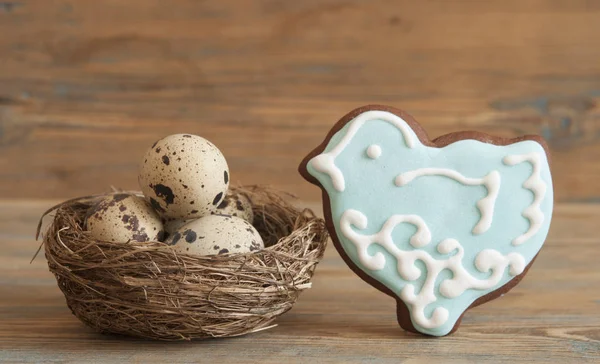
[
  {"x": 485, "y": 205},
  {"x": 536, "y": 185},
  {"x": 325, "y": 162},
  {"x": 487, "y": 260},
  {"x": 374, "y": 151}
]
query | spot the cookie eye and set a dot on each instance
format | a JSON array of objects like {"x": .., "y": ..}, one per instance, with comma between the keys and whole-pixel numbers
[{"x": 374, "y": 151}]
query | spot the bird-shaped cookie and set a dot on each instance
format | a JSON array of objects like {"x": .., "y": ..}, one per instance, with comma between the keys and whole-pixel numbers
[{"x": 441, "y": 225}]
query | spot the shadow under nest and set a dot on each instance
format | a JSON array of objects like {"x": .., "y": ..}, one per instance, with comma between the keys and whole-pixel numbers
[{"x": 147, "y": 290}]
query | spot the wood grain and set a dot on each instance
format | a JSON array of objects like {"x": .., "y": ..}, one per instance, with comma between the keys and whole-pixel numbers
[
  {"x": 551, "y": 317},
  {"x": 86, "y": 86}
]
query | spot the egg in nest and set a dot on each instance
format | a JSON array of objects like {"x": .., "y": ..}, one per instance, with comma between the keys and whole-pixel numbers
[
  {"x": 216, "y": 235},
  {"x": 238, "y": 205},
  {"x": 171, "y": 226},
  {"x": 124, "y": 217},
  {"x": 184, "y": 176},
  {"x": 235, "y": 204}
]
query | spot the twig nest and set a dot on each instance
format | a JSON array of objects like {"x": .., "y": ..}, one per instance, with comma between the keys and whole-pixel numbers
[{"x": 150, "y": 290}]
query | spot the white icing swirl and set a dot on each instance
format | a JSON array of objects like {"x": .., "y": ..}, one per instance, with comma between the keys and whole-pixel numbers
[
  {"x": 325, "y": 162},
  {"x": 488, "y": 260},
  {"x": 486, "y": 205},
  {"x": 536, "y": 185}
]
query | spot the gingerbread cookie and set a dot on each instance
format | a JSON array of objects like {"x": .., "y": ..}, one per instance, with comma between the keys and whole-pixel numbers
[{"x": 441, "y": 225}]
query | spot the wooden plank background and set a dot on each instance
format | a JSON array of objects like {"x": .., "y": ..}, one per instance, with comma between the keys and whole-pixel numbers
[{"x": 86, "y": 86}]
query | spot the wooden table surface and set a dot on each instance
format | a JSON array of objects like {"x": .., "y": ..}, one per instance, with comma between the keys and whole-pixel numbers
[{"x": 553, "y": 316}]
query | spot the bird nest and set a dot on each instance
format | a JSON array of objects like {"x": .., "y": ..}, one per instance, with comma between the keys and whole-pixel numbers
[{"x": 148, "y": 290}]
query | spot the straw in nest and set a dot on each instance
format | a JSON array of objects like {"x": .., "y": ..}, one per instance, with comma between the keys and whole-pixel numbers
[{"x": 148, "y": 290}]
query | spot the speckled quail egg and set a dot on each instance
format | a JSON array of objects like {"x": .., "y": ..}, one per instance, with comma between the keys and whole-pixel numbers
[
  {"x": 124, "y": 217},
  {"x": 216, "y": 235},
  {"x": 235, "y": 204},
  {"x": 184, "y": 176},
  {"x": 173, "y": 225}
]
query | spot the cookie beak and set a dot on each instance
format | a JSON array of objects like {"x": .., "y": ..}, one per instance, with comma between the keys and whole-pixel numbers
[{"x": 303, "y": 167}]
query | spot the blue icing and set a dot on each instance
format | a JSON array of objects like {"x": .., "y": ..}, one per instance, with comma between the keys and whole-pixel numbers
[{"x": 447, "y": 206}]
